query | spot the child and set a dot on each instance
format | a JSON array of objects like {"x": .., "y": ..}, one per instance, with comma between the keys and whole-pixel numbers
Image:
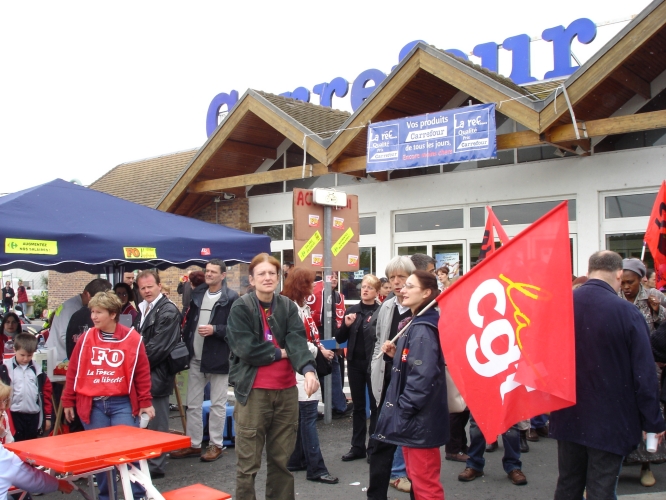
[
  {"x": 13, "y": 471},
  {"x": 31, "y": 400},
  {"x": 6, "y": 426}
]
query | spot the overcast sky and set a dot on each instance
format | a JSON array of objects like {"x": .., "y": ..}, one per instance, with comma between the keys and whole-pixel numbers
[{"x": 89, "y": 85}]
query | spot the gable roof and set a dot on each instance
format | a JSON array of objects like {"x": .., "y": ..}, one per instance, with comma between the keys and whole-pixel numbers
[{"x": 144, "y": 181}]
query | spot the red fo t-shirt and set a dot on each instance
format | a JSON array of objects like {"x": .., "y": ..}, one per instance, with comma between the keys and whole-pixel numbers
[
  {"x": 106, "y": 368},
  {"x": 279, "y": 374}
]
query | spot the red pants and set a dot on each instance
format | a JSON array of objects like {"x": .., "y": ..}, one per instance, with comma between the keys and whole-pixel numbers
[{"x": 423, "y": 469}]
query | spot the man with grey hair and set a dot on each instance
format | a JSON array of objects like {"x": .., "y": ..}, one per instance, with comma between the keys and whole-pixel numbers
[
  {"x": 423, "y": 262},
  {"x": 617, "y": 395},
  {"x": 389, "y": 316}
]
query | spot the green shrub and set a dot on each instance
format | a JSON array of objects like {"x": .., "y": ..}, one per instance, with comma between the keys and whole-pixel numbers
[{"x": 41, "y": 303}]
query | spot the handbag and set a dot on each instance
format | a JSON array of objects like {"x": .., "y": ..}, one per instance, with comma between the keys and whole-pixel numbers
[
  {"x": 178, "y": 359},
  {"x": 324, "y": 366},
  {"x": 455, "y": 400}
]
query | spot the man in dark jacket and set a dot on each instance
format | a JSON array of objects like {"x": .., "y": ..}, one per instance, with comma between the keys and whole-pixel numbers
[
  {"x": 616, "y": 386},
  {"x": 205, "y": 335},
  {"x": 159, "y": 324}
]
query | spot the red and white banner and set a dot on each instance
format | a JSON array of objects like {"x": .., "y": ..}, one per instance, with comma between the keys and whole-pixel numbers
[
  {"x": 488, "y": 244},
  {"x": 507, "y": 328},
  {"x": 655, "y": 235}
]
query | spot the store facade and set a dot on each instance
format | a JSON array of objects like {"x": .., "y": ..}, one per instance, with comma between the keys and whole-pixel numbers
[{"x": 608, "y": 166}]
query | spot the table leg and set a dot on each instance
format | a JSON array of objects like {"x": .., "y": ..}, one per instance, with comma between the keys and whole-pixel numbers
[
  {"x": 91, "y": 486},
  {"x": 125, "y": 481},
  {"x": 142, "y": 476},
  {"x": 183, "y": 418},
  {"x": 58, "y": 420}
]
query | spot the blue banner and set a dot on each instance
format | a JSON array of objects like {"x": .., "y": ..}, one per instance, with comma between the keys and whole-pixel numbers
[{"x": 451, "y": 136}]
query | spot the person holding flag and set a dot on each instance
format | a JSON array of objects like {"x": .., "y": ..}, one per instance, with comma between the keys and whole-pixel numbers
[{"x": 415, "y": 406}]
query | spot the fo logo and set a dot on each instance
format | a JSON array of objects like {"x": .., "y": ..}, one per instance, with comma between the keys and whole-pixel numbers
[{"x": 113, "y": 357}]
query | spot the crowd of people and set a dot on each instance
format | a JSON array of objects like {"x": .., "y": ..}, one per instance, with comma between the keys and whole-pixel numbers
[{"x": 268, "y": 347}]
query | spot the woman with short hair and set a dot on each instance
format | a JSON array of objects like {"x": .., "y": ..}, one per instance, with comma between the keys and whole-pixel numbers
[
  {"x": 120, "y": 395},
  {"x": 268, "y": 344},
  {"x": 357, "y": 332},
  {"x": 126, "y": 296},
  {"x": 415, "y": 415}
]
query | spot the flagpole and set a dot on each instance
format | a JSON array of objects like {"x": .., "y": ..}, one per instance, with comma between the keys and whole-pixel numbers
[{"x": 643, "y": 251}]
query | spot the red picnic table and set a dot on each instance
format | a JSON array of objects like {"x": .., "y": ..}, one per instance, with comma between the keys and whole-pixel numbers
[{"x": 83, "y": 454}]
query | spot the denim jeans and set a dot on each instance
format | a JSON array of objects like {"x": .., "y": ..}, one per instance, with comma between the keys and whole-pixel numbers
[
  {"x": 538, "y": 421},
  {"x": 339, "y": 401},
  {"x": 307, "y": 453},
  {"x": 398, "y": 469},
  {"x": 108, "y": 413},
  {"x": 477, "y": 446}
]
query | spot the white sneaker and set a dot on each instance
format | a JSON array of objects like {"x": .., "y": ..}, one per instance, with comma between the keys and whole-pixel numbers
[{"x": 401, "y": 484}]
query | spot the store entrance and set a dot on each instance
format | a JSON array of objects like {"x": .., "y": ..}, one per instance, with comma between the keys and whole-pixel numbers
[{"x": 451, "y": 253}]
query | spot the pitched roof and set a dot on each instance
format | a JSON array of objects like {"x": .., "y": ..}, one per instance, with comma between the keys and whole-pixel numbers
[
  {"x": 321, "y": 120},
  {"x": 144, "y": 181}
]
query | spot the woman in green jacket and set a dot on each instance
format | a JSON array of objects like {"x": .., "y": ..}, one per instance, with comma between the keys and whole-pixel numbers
[{"x": 268, "y": 344}]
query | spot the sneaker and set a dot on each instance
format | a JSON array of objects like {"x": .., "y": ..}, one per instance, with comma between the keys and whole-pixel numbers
[
  {"x": 342, "y": 414},
  {"x": 186, "y": 452},
  {"x": 401, "y": 484},
  {"x": 517, "y": 477},
  {"x": 212, "y": 453}
]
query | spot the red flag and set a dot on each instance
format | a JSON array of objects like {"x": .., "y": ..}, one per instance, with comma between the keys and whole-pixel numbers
[
  {"x": 507, "y": 328},
  {"x": 488, "y": 242},
  {"x": 655, "y": 235}
]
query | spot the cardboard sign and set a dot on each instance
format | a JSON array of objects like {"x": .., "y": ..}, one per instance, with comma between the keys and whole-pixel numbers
[{"x": 308, "y": 233}]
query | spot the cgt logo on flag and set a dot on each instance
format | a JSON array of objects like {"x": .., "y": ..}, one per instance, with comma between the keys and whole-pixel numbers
[
  {"x": 498, "y": 363},
  {"x": 205, "y": 251},
  {"x": 506, "y": 328}
]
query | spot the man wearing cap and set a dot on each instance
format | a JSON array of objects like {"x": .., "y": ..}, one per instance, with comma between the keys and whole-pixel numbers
[
  {"x": 633, "y": 271},
  {"x": 616, "y": 386}
]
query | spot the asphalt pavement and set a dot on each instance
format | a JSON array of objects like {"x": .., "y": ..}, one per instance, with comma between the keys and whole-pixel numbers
[{"x": 539, "y": 465}]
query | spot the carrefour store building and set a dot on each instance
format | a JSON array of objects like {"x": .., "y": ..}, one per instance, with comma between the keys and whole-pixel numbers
[{"x": 595, "y": 136}]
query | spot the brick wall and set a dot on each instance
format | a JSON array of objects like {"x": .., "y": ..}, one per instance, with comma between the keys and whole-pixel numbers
[
  {"x": 233, "y": 213},
  {"x": 63, "y": 286}
]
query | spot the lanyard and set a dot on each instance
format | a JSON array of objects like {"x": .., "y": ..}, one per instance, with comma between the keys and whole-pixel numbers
[{"x": 267, "y": 329}]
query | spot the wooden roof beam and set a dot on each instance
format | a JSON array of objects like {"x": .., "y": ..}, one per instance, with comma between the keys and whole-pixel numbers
[
  {"x": 633, "y": 82},
  {"x": 285, "y": 174}
]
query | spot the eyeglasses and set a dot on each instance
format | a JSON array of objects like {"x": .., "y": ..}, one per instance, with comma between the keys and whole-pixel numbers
[
  {"x": 4, "y": 402},
  {"x": 409, "y": 286}
]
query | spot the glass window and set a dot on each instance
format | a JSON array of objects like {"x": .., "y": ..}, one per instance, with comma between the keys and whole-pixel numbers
[
  {"x": 449, "y": 255},
  {"x": 632, "y": 205},
  {"x": 288, "y": 231},
  {"x": 274, "y": 232},
  {"x": 367, "y": 225},
  {"x": 411, "y": 250},
  {"x": 629, "y": 245},
  {"x": 477, "y": 216},
  {"x": 429, "y": 221},
  {"x": 475, "y": 250},
  {"x": 527, "y": 213},
  {"x": 350, "y": 281}
]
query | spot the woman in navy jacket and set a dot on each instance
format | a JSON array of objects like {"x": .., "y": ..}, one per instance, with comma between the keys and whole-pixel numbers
[{"x": 415, "y": 412}]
